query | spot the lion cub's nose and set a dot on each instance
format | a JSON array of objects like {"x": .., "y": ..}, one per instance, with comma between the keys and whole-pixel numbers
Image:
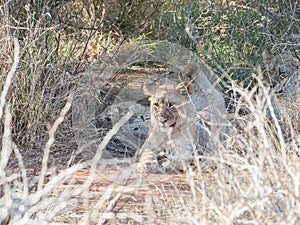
[
  {"x": 163, "y": 120},
  {"x": 167, "y": 122}
]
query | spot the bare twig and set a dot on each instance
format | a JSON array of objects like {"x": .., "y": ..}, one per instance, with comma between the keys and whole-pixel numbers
[
  {"x": 6, "y": 142},
  {"x": 51, "y": 140},
  {"x": 6, "y": 201},
  {"x": 9, "y": 77},
  {"x": 101, "y": 147},
  {"x": 22, "y": 169}
]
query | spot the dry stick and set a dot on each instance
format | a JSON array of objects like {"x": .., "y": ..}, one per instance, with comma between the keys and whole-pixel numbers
[
  {"x": 9, "y": 77},
  {"x": 22, "y": 169},
  {"x": 6, "y": 142},
  {"x": 51, "y": 140},
  {"x": 53, "y": 183},
  {"x": 42, "y": 200},
  {"x": 95, "y": 161},
  {"x": 6, "y": 139},
  {"x": 272, "y": 112},
  {"x": 5, "y": 205},
  {"x": 107, "y": 138}
]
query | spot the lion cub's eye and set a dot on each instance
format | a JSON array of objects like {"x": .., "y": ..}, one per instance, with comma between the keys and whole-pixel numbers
[{"x": 156, "y": 105}]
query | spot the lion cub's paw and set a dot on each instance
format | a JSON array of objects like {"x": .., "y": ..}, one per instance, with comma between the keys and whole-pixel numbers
[
  {"x": 174, "y": 165},
  {"x": 147, "y": 162}
]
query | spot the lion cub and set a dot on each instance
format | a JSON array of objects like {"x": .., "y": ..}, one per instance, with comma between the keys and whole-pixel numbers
[
  {"x": 283, "y": 77},
  {"x": 173, "y": 122}
]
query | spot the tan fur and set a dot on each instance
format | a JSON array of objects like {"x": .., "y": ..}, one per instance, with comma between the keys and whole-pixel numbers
[
  {"x": 283, "y": 72},
  {"x": 172, "y": 123},
  {"x": 173, "y": 126},
  {"x": 187, "y": 112},
  {"x": 283, "y": 76}
]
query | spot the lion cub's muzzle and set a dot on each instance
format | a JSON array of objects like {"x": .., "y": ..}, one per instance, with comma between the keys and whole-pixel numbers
[
  {"x": 166, "y": 122},
  {"x": 165, "y": 114}
]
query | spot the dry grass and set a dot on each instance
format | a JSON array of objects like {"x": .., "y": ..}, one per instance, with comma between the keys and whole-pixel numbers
[{"x": 252, "y": 178}]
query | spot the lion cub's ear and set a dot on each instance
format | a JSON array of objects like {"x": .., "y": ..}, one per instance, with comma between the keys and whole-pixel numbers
[
  {"x": 185, "y": 88},
  {"x": 149, "y": 87},
  {"x": 190, "y": 71}
]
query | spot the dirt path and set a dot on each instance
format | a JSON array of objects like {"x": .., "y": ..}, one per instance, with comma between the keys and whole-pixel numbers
[{"x": 122, "y": 197}]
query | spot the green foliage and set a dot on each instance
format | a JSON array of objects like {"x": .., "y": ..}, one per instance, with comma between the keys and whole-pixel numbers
[
  {"x": 59, "y": 39},
  {"x": 233, "y": 33}
]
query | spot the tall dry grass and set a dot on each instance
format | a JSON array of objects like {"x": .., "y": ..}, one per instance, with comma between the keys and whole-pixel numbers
[{"x": 253, "y": 178}]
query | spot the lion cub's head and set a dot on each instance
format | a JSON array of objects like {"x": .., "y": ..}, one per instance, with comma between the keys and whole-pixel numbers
[
  {"x": 170, "y": 102},
  {"x": 283, "y": 71}
]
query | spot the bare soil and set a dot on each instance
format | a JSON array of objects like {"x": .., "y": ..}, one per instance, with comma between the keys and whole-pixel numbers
[
  {"x": 149, "y": 198},
  {"x": 118, "y": 196}
]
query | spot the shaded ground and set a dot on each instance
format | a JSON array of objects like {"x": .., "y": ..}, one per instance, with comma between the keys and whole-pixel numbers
[
  {"x": 246, "y": 188},
  {"x": 129, "y": 199},
  {"x": 117, "y": 195}
]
